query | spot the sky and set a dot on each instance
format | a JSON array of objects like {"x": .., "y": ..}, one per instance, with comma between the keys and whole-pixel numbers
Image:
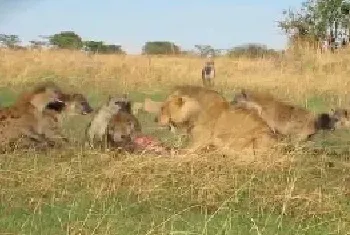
[{"x": 222, "y": 24}]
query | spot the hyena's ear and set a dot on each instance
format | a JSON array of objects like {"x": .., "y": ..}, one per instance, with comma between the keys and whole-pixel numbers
[{"x": 332, "y": 112}]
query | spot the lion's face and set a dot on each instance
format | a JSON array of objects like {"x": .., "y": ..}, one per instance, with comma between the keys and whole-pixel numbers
[{"x": 178, "y": 111}]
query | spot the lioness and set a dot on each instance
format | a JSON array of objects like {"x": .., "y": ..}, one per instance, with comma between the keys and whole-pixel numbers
[
  {"x": 210, "y": 120},
  {"x": 289, "y": 120}
]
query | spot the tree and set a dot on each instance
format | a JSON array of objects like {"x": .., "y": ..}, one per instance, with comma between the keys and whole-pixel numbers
[
  {"x": 113, "y": 49},
  {"x": 100, "y": 47},
  {"x": 252, "y": 50},
  {"x": 205, "y": 50},
  {"x": 66, "y": 40},
  {"x": 316, "y": 17},
  {"x": 160, "y": 48},
  {"x": 93, "y": 46},
  {"x": 9, "y": 41}
]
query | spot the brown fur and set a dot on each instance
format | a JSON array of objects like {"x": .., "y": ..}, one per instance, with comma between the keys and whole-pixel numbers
[
  {"x": 286, "y": 119},
  {"x": 210, "y": 120},
  {"x": 24, "y": 120},
  {"x": 121, "y": 130}
]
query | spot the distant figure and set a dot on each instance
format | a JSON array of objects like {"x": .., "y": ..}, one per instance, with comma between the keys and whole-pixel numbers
[{"x": 208, "y": 73}]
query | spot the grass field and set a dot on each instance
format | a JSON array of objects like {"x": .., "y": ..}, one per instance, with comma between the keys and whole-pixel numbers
[{"x": 89, "y": 192}]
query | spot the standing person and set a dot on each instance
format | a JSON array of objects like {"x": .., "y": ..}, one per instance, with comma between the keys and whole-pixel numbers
[{"x": 208, "y": 72}]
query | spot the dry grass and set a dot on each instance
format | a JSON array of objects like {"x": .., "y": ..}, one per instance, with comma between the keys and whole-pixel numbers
[
  {"x": 296, "y": 75},
  {"x": 77, "y": 191}
]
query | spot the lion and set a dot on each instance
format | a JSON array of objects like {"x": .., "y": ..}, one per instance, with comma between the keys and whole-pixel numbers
[
  {"x": 211, "y": 121},
  {"x": 294, "y": 122},
  {"x": 205, "y": 101},
  {"x": 24, "y": 119}
]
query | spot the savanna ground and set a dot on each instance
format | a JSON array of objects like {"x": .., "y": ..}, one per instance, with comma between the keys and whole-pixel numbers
[{"x": 76, "y": 191}]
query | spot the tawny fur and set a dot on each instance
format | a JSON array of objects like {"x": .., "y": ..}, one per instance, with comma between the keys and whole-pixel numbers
[
  {"x": 210, "y": 120},
  {"x": 294, "y": 122}
]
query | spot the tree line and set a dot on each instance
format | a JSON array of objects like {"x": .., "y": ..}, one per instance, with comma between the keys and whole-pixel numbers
[
  {"x": 71, "y": 40},
  {"x": 316, "y": 20},
  {"x": 63, "y": 40}
]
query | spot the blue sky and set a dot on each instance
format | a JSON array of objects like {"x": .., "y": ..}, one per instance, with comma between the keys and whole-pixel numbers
[{"x": 220, "y": 23}]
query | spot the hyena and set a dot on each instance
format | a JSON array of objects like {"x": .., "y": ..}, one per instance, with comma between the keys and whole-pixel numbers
[
  {"x": 97, "y": 128},
  {"x": 208, "y": 74}
]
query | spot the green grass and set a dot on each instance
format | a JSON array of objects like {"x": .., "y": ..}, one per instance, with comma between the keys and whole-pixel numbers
[
  {"x": 48, "y": 194},
  {"x": 7, "y": 96},
  {"x": 79, "y": 191}
]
